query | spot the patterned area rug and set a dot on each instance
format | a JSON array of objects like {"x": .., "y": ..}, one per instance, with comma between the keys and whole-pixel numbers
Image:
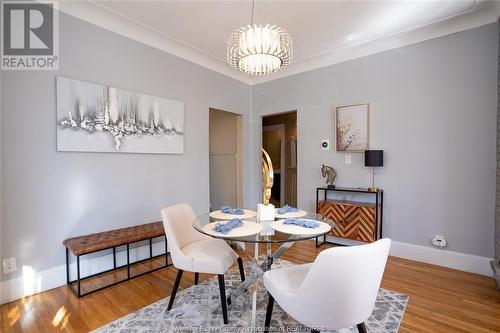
[{"x": 198, "y": 309}]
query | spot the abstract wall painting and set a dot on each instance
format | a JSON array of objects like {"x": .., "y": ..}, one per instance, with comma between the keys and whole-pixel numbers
[
  {"x": 352, "y": 127},
  {"x": 97, "y": 118}
]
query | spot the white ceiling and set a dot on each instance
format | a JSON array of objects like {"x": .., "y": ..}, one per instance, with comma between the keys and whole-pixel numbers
[{"x": 323, "y": 32}]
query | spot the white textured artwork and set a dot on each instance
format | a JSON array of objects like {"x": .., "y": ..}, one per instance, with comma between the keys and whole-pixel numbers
[{"x": 98, "y": 118}]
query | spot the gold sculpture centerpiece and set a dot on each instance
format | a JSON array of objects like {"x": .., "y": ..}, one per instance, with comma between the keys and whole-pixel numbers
[{"x": 267, "y": 176}]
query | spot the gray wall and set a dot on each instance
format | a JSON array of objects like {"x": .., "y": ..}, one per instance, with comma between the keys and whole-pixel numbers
[
  {"x": 434, "y": 114},
  {"x": 49, "y": 196}
]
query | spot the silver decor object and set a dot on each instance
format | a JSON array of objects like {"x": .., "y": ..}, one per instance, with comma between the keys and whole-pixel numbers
[{"x": 329, "y": 174}]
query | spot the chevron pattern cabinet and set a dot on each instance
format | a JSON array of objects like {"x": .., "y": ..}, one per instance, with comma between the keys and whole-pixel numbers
[{"x": 360, "y": 221}]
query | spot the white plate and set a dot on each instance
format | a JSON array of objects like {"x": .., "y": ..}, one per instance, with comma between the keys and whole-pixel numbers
[
  {"x": 247, "y": 229},
  {"x": 298, "y": 230},
  {"x": 223, "y": 216},
  {"x": 300, "y": 213}
]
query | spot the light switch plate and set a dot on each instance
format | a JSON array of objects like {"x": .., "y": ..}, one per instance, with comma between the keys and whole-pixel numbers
[{"x": 348, "y": 159}]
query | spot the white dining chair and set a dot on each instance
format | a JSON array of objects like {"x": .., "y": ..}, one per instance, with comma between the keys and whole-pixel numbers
[
  {"x": 195, "y": 252},
  {"x": 337, "y": 291}
]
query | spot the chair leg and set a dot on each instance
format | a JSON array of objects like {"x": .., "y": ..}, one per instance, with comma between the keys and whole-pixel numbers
[
  {"x": 174, "y": 290},
  {"x": 362, "y": 328},
  {"x": 269, "y": 312},
  {"x": 242, "y": 271},
  {"x": 196, "y": 276},
  {"x": 222, "y": 287}
]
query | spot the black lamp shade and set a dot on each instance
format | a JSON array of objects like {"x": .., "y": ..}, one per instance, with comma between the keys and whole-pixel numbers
[{"x": 374, "y": 158}]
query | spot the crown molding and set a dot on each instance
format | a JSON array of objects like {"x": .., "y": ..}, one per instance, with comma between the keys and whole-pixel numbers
[
  {"x": 469, "y": 20},
  {"x": 95, "y": 14}
]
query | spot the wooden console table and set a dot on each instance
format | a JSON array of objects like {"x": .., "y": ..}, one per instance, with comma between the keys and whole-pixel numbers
[{"x": 356, "y": 220}]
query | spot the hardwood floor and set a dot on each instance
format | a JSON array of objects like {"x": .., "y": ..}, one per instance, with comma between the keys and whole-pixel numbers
[{"x": 441, "y": 299}]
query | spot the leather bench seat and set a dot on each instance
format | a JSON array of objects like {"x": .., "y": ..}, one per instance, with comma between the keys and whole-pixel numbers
[{"x": 104, "y": 240}]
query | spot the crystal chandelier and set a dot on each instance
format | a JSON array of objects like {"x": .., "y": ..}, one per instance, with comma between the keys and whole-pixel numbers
[{"x": 259, "y": 49}]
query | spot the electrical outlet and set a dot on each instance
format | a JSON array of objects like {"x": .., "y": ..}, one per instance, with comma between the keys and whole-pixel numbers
[
  {"x": 9, "y": 265},
  {"x": 348, "y": 159},
  {"x": 439, "y": 241}
]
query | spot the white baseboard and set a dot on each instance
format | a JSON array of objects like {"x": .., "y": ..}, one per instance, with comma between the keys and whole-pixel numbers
[
  {"x": 31, "y": 282},
  {"x": 34, "y": 282},
  {"x": 456, "y": 260}
]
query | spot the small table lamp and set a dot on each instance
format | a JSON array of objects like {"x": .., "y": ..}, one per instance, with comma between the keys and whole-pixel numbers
[{"x": 374, "y": 158}]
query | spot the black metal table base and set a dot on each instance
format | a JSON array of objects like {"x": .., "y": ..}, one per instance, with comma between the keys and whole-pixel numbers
[
  {"x": 77, "y": 290},
  {"x": 318, "y": 244}
]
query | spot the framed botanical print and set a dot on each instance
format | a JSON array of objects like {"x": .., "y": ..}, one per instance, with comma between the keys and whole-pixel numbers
[{"x": 352, "y": 124}]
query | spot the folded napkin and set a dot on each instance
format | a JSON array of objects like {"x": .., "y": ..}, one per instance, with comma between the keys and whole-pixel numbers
[
  {"x": 232, "y": 211},
  {"x": 228, "y": 226},
  {"x": 301, "y": 223},
  {"x": 287, "y": 209}
]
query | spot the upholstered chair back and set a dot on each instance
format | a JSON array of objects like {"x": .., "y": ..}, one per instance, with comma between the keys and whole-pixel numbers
[
  {"x": 178, "y": 224},
  {"x": 341, "y": 287}
]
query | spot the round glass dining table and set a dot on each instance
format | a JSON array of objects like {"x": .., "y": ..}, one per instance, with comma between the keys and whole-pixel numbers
[
  {"x": 268, "y": 234},
  {"x": 265, "y": 233}
]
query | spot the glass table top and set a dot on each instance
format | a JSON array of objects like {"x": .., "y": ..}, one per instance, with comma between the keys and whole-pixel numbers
[{"x": 267, "y": 234}]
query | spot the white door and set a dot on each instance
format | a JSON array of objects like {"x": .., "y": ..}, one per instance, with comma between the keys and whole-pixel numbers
[{"x": 225, "y": 142}]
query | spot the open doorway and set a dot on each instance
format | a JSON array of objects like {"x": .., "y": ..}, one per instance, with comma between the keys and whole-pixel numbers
[
  {"x": 279, "y": 139},
  {"x": 225, "y": 155}
]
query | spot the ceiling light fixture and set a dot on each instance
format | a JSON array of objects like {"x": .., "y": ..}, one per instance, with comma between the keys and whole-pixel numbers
[{"x": 258, "y": 49}]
